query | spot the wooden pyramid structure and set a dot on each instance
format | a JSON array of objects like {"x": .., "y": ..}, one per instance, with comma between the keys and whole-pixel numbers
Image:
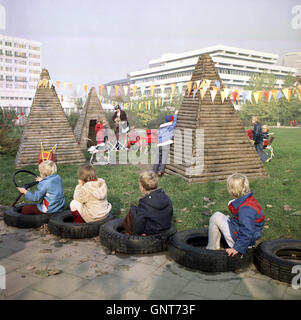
[
  {"x": 47, "y": 123},
  {"x": 223, "y": 147},
  {"x": 85, "y": 125}
]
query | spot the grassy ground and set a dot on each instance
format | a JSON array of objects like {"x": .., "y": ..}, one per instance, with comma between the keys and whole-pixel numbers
[{"x": 282, "y": 190}]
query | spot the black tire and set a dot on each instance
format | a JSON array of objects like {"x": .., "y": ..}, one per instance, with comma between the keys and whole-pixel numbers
[
  {"x": 272, "y": 258},
  {"x": 188, "y": 249},
  {"x": 62, "y": 225},
  {"x": 14, "y": 218},
  {"x": 111, "y": 236}
]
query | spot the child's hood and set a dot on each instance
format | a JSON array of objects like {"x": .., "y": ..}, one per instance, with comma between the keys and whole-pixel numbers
[
  {"x": 97, "y": 188},
  {"x": 157, "y": 200}
]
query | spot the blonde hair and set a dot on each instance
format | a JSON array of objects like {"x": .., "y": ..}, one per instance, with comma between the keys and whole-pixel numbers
[
  {"x": 47, "y": 168},
  {"x": 86, "y": 173},
  {"x": 148, "y": 180},
  {"x": 238, "y": 185},
  {"x": 266, "y": 127},
  {"x": 256, "y": 119}
]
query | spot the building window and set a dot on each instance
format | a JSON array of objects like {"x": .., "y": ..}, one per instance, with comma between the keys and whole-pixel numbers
[
  {"x": 20, "y": 70},
  {"x": 8, "y": 44},
  {"x": 20, "y": 86},
  {"x": 9, "y": 86},
  {"x": 20, "y": 45},
  {"x": 20, "y": 62},
  {"x": 20, "y": 79},
  {"x": 8, "y": 53},
  {"x": 9, "y": 78},
  {"x": 8, "y": 61},
  {"x": 35, "y": 48},
  {"x": 8, "y": 69},
  {"x": 35, "y": 64},
  {"x": 35, "y": 56},
  {"x": 34, "y": 71},
  {"x": 20, "y": 54}
]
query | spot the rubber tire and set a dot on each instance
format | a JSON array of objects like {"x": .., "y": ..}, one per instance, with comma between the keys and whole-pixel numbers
[
  {"x": 116, "y": 241},
  {"x": 276, "y": 267},
  {"x": 59, "y": 227},
  {"x": 202, "y": 259},
  {"x": 14, "y": 218}
]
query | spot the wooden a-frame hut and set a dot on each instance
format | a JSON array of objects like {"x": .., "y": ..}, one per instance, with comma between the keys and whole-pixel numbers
[
  {"x": 47, "y": 123},
  {"x": 219, "y": 144},
  {"x": 85, "y": 126}
]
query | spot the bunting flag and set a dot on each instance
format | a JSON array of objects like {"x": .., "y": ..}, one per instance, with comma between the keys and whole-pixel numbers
[
  {"x": 64, "y": 85},
  {"x": 162, "y": 87},
  {"x": 256, "y": 96},
  {"x": 134, "y": 90},
  {"x": 203, "y": 92},
  {"x": 159, "y": 101},
  {"x": 125, "y": 90},
  {"x": 156, "y": 102},
  {"x": 78, "y": 87},
  {"x": 268, "y": 95},
  {"x": 299, "y": 94},
  {"x": 149, "y": 104},
  {"x": 299, "y": 89},
  {"x": 235, "y": 95},
  {"x": 213, "y": 94},
  {"x": 70, "y": 86},
  {"x": 152, "y": 89},
  {"x": 173, "y": 88},
  {"x": 218, "y": 84},
  {"x": 85, "y": 88},
  {"x": 180, "y": 87},
  {"x": 58, "y": 84},
  {"x": 198, "y": 83},
  {"x": 279, "y": 95},
  {"x": 203, "y": 84},
  {"x": 195, "y": 91},
  {"x": 275, "y": 94},
  {"x": 116, "y": 90},
  {"x": 142, "y": 90},
  {"x": 109, "y": 88},
  {"x": 225, "y": 94},
  {"x": 189, "y": 86},
  {"x": 287, "y": 93},
  {"x": 208, "y": 82},
  {"x": 44, "y": 82},
  {"x": 101, "y": 89}
]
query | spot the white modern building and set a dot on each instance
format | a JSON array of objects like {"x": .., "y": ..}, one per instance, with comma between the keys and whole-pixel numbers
[
  {"x": 235, "y": 67},
  {"x": 20, "y": 68},
  {"x": 293, "y": 59}
]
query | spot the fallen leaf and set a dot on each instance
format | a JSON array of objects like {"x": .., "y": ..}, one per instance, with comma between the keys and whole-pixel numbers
[
  {"x": 122, "y": 210},
  {"x": 206, "y": 212},
  {"x": 268, "y": 219},
  {"x": 126, "y": 193},
  {"x": 266, "y": 227},
  {"x": 207, "y": 199},
  {"x": 269, "y": 206},
  {"x": 286, "y": 207},
  {"x": 185, "y": 210},
  {"x": 179, "y": 221},
  {"x": 297, "y": 213}
]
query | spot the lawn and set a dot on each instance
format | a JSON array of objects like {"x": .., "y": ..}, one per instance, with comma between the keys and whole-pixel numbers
[{"x": 279, "y": 195}]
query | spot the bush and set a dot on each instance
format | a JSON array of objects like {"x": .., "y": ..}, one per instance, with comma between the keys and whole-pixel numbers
[
  {"x": 8, "y": 145},
  {"x": 73, "y": 118}
]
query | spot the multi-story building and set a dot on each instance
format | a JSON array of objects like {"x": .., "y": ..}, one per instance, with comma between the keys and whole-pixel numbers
[
  {"x": 20, "y": 68},
  {"x": 293, "y": 59},
  {"x": 234, "y": 65}
]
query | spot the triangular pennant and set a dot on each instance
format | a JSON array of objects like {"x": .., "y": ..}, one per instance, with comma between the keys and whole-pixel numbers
[
  {"x": 203, "y": 92},
  {"x": 244, "y": 95},
  {"x": 256, "y": 96},
  {"x": 64, "y": 85},
  {"x": 189, "y": 86},
  {"x": 156, "y": 103},
  {"x": 162, "y": 87},
  {"x": 275, "y": 94},
  {"x": 101, "y": 89},
  {"x": 299, "y": 89},
  {"x": 58, "y": 84},
  {"x": 116, "y": 90},
  {"x": 152, "y": 89},
  {"x": 198, "y": 83},
  {"x": 195, "y": 91},
  {"x": 208, "y": 82},
  {"x": 70, "y": 86},
  {"x": 218, "y": 84},
  {"x": 268, "y": 95},
  {"x": 235, "y": 95},
  {"x": 125, "y": 90},
  {"x": 109, "y": 88},
  {"x": 213, "y": 94},
  {"x": 279, "y": 95},
  {"x": 287, "y": 93},
  {"x": 299, "y": 95},
  {"x": 134, "y": 90},
  {"x": 142, "y": 89}
]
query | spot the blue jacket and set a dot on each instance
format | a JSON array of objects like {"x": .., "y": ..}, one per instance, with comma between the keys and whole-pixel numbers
[
  {"x": 153, "y": 213},
  {"x": 165, "y": 134},
  {"x": 257, "y": 133},
  {"x": 247, "y": 222},
  {"x": 50, "y": 193}
]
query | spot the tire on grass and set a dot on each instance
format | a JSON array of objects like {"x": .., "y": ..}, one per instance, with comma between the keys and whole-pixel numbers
[
  {"x": 14, "y": 218},
  {"x": 111, "y": 236},
  {"x": 188, "y": 249},
  {"x": 62, "y": 225},
  {"x": 276, "y": 258}
]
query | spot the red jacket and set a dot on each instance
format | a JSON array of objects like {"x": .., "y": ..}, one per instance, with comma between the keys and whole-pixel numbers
[{"x": 99, "y": 126}]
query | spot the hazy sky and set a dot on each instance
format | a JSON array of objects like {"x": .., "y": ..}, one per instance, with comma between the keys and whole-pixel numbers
[{"x": 96, "y": 41}]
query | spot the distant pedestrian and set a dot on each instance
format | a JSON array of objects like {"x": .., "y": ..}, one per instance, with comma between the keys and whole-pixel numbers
[{"x": 257, "y": 139}]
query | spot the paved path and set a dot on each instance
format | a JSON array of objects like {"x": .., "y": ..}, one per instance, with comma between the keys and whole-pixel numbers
[{"x": 41, "y": 266}]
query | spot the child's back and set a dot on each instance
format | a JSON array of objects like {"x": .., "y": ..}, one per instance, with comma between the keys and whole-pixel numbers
[{"x": 153, "y": 214}]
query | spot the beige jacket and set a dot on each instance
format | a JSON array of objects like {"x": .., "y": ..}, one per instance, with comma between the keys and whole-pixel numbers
[{"x": 93, "y": 197}]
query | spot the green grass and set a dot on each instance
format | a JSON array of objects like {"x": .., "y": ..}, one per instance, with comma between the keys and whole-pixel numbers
[{"x": 283, "y": 187}]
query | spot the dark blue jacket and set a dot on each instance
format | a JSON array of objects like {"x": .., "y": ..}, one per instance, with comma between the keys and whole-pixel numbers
[
  {"x": 257, "y": 133},
  {"x": 153, "y": 213},
  {"x": 247, "y": 222}
]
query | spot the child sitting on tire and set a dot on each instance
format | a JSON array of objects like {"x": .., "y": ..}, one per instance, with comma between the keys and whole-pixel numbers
[
  {"x": 245, "y": 227},
  {"x": 154, "y": 211},
  {"x": 90, "y": 197},
  {"x": 49, "y": 191}
]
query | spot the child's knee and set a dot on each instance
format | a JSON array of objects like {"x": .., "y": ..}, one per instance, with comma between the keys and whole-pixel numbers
[
  {"x": 74, "y": 205},
  {"x": 217, "y": 218}
]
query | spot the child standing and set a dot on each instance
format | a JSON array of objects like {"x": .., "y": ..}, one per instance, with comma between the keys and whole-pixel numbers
[
  {"x": 154, "y": 211},
  {"x": 90, "y": 197},
  {"x": 49, "y": 191},
  {"x": 165, "y": 139},
  {"x": 258, "y": 139},
  {"x": 245, "y": 227},
  {"x": 266, "y": 135},
  {"x": 100, "y": 132}
]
